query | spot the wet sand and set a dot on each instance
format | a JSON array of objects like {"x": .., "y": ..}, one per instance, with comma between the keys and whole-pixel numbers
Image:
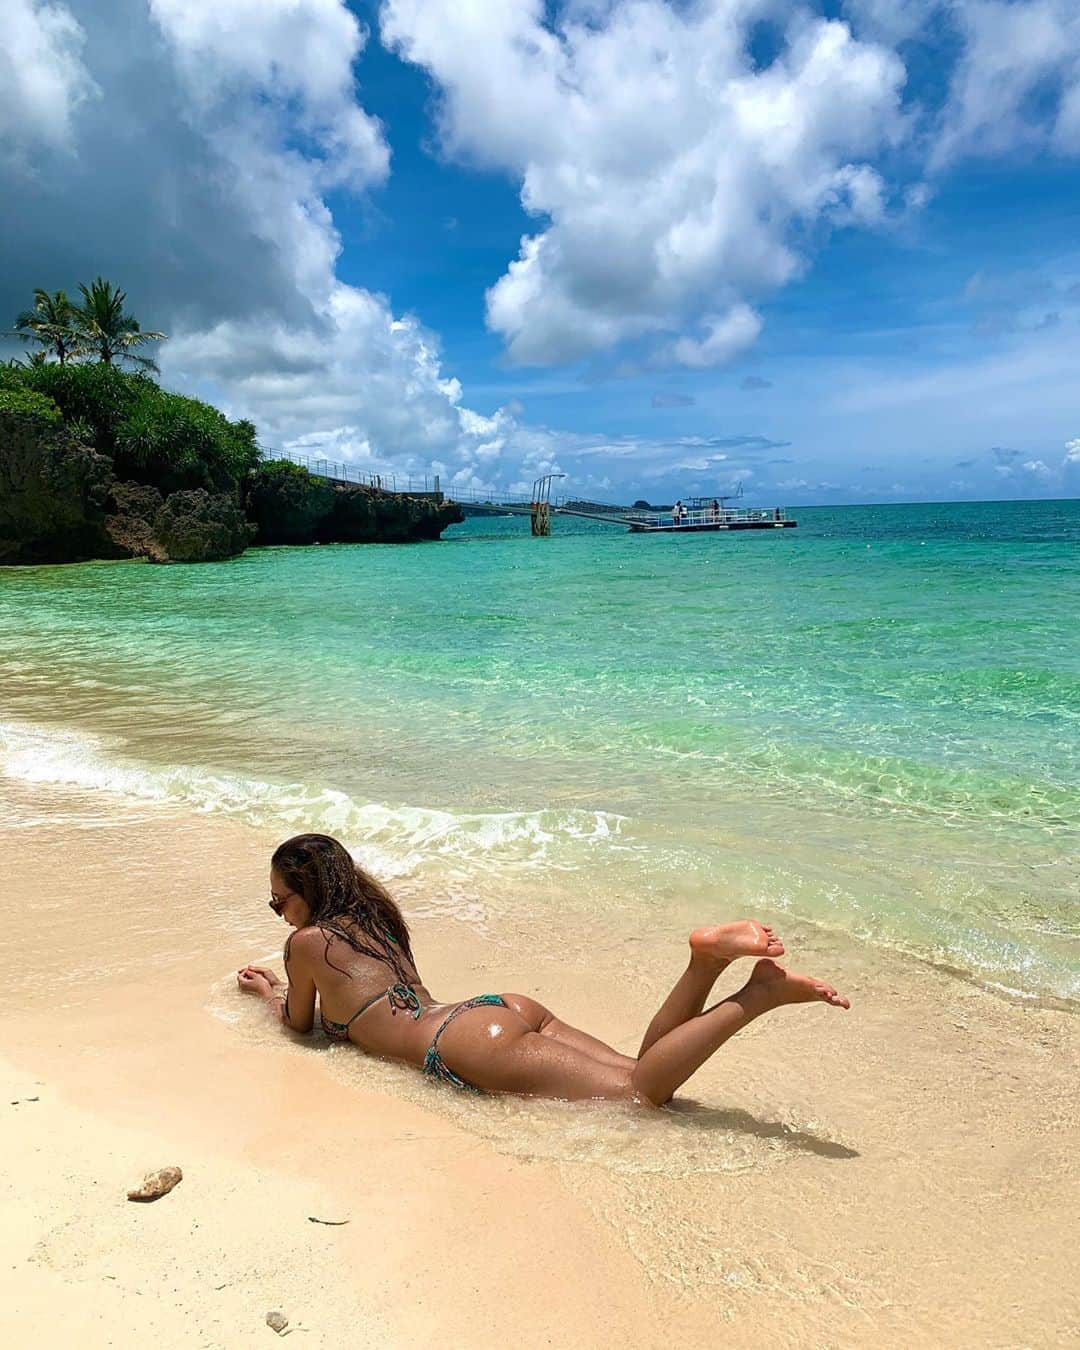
[{"x": 902, "y": 1175}]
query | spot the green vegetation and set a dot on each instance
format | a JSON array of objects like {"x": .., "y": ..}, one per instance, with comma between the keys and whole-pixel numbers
[
  {"x": 27, "y": 403},
  {"x": 52, "y": 323},
  {"x": 99, "y": 328},
  {"x": 105, "y": 331},
  {"x": 174, "y": 442},
  {"x": 153, "y": 436}
]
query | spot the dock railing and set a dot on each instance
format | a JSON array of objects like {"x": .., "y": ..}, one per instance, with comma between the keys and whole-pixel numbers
[{"x": 665, "y": 520}]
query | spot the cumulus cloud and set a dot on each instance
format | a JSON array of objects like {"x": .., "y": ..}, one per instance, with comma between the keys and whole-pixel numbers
[
  {"x": 751, "y": 383},
  {"x": 1015, "y": 81},
  {"x": 669, "y": 171},
  {"x": 356, "y": 383},
  {"x": 203, "y": 204},
  {"x": 43, "y": 78},
  {"x": 1016, "y": 85},
  {"x": 295, "y": 55},
  {"x": 1025, "y": 472},
  {"x": 893, "y": 21},
  {"x": 725, "y": 334},
  {"x": 675, "y": 178}
]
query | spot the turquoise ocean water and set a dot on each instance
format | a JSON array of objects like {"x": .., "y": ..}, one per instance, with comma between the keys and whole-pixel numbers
[{"x": 870, "y": 722}]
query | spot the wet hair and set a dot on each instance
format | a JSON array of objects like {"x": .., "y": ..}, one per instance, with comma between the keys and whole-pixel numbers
[{"x": 345, "y": 901}]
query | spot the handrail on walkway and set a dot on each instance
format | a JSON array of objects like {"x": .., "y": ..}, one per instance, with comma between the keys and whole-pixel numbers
[{"x": 341, "y": 472}]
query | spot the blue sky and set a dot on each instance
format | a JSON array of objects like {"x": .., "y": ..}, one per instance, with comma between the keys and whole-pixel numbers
[{"x": 828, "y": 250}]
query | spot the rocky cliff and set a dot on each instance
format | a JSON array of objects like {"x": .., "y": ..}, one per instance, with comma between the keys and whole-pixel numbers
[
  {"x": 290, "y": 506},
  {"x": 54, "y": 494},
  {"x": 60, "y": 501}
]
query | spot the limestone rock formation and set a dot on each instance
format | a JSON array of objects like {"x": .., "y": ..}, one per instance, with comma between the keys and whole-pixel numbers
[
  {"x": 131, "y": 524},
  {"x": 363, "y": 515},
  {"x": 286, "y": 504},
  {"x": 60, "y": 502},
  {"x": 194, "y": 526},
  {"x": 53, "y": 494}
]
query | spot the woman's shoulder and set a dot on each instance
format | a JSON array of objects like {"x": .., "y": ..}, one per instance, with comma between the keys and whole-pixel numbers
[
  {"x": 317, "y": 946},
  {"x": 307, "y": 944}
]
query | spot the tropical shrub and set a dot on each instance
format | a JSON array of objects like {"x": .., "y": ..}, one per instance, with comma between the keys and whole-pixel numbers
[
  {"x": 176, "y": 442},
  {"x": 27, "y": 403},
  {"x": 96, "y": 396},
  {"x": 154, "y": 436}
]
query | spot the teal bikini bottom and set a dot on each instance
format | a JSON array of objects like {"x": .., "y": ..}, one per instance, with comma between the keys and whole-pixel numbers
[
  {"x": 434, "y": 1064},
  {"x": 403, "y": 998}
]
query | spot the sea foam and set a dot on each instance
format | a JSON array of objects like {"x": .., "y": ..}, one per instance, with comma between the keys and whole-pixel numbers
[{"x": 394, "y": 840}]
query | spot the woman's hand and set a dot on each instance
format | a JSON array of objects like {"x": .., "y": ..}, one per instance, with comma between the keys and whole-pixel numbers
[{"x": 257, "y": 980}]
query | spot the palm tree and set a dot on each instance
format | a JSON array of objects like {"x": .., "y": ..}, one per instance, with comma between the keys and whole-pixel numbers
[
  {"x": 52, "y": 322},
  {"x": 106, "y": 330}
]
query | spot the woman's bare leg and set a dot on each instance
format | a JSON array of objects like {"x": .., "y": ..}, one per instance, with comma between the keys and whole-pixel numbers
[
  {"x": 671, "y": 1060},
  {"x": 495, "y": 1049},
  {"x": 711, "y": 951}
]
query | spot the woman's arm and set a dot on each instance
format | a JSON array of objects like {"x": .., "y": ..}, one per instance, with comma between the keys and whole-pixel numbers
[
  {"x": 298, "y": 1006},
  {"x": 293, "y": 1002}
]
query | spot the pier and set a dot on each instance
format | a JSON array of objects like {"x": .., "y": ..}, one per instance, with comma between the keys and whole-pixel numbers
[{"x": 699, "y": 515}]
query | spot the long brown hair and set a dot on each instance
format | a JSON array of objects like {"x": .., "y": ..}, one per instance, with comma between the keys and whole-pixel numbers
[{"x": 345, "y": 901}]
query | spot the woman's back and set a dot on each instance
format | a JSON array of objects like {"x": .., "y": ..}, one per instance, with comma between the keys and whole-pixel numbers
[{"x": 380, "y": 1005}]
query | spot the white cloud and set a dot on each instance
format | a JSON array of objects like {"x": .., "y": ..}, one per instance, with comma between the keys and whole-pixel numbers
[
  {"x": 42, "y": 77},
  {"x": 1072, "y": 452},
  {"x": 674, "y": 184},
  {"x": 1016, "y": 85},
  {"x": 670, "y": 172},
  {"x": 295, "y": 55},
  {"x": 725, "y": 335},
  {"x": 891, "y": 21},
  {"x": 1038, "y": 469},
  {"x": 355, "y": 379}
]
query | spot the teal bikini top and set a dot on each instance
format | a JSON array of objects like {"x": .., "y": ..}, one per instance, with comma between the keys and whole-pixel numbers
[{"x": 403, "y": 998}]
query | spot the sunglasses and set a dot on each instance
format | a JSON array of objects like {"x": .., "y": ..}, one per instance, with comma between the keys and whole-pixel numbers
[{"x": 277, "y": 902}]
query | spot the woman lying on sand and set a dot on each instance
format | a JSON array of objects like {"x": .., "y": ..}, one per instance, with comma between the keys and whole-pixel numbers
[{"x": 350, "y": 945}]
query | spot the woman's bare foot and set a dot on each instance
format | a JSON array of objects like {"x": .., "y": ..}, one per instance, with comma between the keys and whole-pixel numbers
[
  {"x": 726, "y": 941},
  {"x": 784, "y": 986}
]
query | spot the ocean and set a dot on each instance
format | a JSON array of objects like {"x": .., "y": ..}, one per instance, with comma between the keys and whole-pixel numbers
[{"x": 868, "y": 723}]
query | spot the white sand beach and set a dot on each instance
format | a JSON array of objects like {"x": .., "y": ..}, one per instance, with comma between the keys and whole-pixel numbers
[{"x": 904, "y": 1175}]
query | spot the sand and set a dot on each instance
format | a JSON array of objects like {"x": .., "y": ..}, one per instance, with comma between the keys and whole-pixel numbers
[{"x": 903, "y": 1175}]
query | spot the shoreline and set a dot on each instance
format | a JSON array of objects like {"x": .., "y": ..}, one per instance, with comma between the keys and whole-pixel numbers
[
  {"x": 880, "y": 1177},
  {"x": 472, "y": 847}
]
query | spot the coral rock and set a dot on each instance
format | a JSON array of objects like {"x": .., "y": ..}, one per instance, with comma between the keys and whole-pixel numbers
[{"x": 156, "y": 1184}]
